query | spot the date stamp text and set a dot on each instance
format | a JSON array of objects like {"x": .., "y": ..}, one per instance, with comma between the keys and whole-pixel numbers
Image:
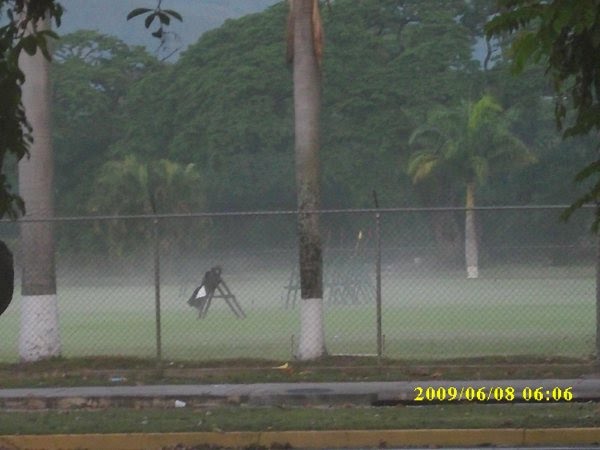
[{"x": 492, "y": 394}]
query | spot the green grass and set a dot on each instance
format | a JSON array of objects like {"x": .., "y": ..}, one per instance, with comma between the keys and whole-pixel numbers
[
  {"x": 507, "y": 312},
  {"x": 99, "y": 371},
  {"x": 261, "y": 419}
]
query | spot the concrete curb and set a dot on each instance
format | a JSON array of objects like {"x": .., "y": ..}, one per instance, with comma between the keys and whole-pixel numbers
[{"x": 309, "y": 439}]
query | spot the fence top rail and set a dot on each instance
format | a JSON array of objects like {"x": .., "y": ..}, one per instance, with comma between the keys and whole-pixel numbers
[{"x": 156, "y": 217}]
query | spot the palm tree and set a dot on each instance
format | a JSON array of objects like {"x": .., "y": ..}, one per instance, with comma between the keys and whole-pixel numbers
[
  {"x": 39, "y": 335},
  {"x": 128, "y": 186},
  {"x": 467, "y": 143},
  {"x": 305, "y": 48}
]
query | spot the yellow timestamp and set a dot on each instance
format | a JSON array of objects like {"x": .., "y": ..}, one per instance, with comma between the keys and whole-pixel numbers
[{"x": 492, "y": 394}]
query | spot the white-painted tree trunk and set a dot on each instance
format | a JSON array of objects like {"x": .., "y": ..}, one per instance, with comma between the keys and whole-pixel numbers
[
  {"x": 307, "y": 104},
  {"x": 40, "y": 335},
  {"x": 312, "y": 342}
]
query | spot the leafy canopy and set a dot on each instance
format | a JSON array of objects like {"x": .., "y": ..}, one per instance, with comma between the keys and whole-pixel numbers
[
  {"x": 17, "y": 34},
  {"x": 565, "y": 34},
  {"x": 91, "y": 75},
  {"x": 226, "y": 104}
]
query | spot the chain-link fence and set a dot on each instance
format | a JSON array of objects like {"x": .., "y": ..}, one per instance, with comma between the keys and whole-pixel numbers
[{"x": 124, "y": 285}]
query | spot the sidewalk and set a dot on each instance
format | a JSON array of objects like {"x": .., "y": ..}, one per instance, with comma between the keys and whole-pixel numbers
[{"x": 273, "y": 394}]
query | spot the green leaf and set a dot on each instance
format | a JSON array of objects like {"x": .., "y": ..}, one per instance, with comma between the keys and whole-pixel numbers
[
  {"x": 523, "y": 47},
  {"x": 149, "y": 20},
  {"x": 164, "y": 19},
  {"x": 49, "y": 33},
  {"x": 29, "y": 44},
  {"x": 136, "y": 12},
  {"x": 173, "y": 14},
  {"x": 43, "y": 46}
]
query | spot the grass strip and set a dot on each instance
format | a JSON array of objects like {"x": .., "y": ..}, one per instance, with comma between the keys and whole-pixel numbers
[
  {"x": 282, "y": 419},
  {"x": 103, "y": 371}
]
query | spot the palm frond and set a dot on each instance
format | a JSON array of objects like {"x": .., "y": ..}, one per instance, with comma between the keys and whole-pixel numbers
[
  {"x": 450, "y": 121},
  {"x": 421, "y": 165},
  {"x": 456, "y": 151},
  {"x": 485, "y": 111},
  {"x": 508, "y": 152},
  {"x": 425, "y": 133}
]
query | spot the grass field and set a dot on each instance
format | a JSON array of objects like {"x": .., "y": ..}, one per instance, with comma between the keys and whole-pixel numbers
[{"x": 508, "y": 311}]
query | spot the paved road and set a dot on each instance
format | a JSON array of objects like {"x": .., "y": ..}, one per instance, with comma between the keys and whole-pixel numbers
[{"x": 367, "y": 393}]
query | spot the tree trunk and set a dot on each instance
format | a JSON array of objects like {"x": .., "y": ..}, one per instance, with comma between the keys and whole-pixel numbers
[
  {"x": 7, "y": 277},
  {"x": 471, "y": 252},
  {"x": 39, "y": 334},
  {"x": 446, "y": 231},
  {"x": 307, "y": 103}
]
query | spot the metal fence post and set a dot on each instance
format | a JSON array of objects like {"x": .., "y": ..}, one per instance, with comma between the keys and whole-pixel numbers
[
  {"x": 378, "y": 279},
  {"x": 157, "y": 291}
]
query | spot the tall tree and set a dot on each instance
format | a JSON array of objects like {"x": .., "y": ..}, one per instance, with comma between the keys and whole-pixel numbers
[
  {"x": 564, "y": 35},
  {"x": 305, "y": 47},
  {"x": 39, "y": 337},
  {"x": 466, "y": 144}
]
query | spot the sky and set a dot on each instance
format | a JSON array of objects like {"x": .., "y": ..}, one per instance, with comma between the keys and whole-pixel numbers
[{"x": 109, "y": 17}]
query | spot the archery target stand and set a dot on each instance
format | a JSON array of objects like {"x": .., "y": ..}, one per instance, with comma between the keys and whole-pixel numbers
[{"x": 213, "y": 286}]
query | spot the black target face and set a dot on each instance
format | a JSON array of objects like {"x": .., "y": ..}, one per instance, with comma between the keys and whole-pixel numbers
[{"x": 7, "y": 277}]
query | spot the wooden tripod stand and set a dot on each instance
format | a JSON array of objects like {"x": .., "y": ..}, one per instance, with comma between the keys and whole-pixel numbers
[{"x": 213, "y": 286}]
